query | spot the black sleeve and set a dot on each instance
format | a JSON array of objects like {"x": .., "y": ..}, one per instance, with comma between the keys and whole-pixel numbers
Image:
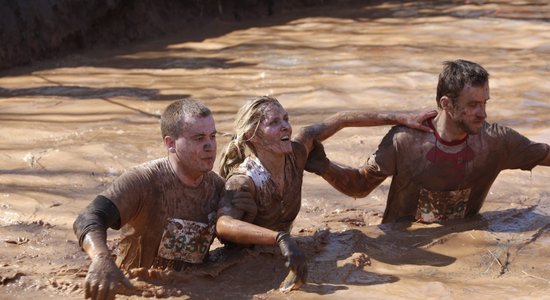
[{"x": 98, "y": 215}]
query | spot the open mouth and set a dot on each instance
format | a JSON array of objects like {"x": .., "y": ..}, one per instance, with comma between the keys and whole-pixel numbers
[{"x": 285, "y": 138}]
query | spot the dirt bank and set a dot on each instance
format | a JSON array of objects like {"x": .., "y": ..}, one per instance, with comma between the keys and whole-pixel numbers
[{"x": 34, "y": 30}]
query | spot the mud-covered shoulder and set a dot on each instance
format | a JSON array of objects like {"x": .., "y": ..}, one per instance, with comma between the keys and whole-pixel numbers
[
  {"x": 506, "y": 137},
  {"x": 239, "y": 182},
  {"x": 403, "y": 135},
  {"x": 216, "y": 179}
]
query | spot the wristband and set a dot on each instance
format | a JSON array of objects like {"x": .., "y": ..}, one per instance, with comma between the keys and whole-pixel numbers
[{"x": 281, "y": 235}]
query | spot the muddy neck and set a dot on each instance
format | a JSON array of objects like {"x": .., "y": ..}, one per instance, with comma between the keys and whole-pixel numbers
[
  {"x": 274, "y": 163},
  {"x": 186, "y": 177},
  {"x": 445, "y": 129}
]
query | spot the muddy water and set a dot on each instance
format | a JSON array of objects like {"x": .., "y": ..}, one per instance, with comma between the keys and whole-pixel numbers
[{"x": 70, "y": 126}]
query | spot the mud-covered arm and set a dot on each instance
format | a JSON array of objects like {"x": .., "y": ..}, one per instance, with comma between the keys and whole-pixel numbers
[
  {"x": 237, "y": 231},
  {"x": 353, "y": 182},
  {"x": 519, "y": 152},
  {"x": 236, "y": 206},
  {"x": 333, "y": 124},
  {"x": 241, "y": 232},
  {"x": 91, "y": 229},
  {"x": 234, "y": 215},
  {"x": 99, "y": 215}
]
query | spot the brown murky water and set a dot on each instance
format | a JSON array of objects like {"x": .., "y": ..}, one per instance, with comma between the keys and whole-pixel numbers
[{"x": 70, "y": 126}]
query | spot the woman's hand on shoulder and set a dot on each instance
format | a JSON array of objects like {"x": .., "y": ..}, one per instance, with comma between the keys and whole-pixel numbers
[{"x": 416, "y": 120}]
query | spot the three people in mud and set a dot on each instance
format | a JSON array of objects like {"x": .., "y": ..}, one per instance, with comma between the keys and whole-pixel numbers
[{"x": 169, "y": 209}]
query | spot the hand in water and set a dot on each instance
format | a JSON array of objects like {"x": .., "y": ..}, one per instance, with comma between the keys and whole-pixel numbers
[
  {"x": 296, "y": 262},
  {"x": 103, "y": 277}
]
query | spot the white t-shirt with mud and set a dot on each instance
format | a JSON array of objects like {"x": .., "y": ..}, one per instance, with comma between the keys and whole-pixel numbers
[{"x": 275, "y": 211}]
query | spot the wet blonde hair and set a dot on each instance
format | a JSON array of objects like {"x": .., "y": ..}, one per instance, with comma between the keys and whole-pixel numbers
[{"x": 247, "y": 122}]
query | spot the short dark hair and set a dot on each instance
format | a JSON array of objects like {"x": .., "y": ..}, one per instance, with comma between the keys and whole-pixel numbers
[
  {"x": 456, "y": 75},
  {"x": 175, "y": 113}
]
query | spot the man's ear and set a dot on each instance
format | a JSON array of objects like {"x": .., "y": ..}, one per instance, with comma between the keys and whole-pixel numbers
[
  {"x": 170, "y": 143},
  {"x": 446, "y": 104}
]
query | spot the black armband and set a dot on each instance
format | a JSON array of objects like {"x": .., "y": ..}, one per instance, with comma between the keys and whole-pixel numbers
[{"x": 101, "y": 214}]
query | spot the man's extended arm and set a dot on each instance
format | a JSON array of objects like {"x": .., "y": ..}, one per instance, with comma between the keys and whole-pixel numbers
[
  {"x": 353, "y": 182},
  {"x": 331, "y": 125},
  {"x": 357, "y": 183}
]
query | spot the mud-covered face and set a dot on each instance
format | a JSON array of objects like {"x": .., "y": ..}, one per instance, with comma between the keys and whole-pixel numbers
[
  {"x": 469, "y": 112},
  {"x": 196, "y": 146},
  {"x": 274, "y": 132}
]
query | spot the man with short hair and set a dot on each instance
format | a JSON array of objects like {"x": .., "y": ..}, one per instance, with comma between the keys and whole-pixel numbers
[
  {"x": 445, "y": 174},
  {"x": 166, "y": 207}
]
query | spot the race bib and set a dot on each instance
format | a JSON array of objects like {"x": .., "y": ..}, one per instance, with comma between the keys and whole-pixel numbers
[
  {"x": 435, "y": 206},
  {"x": 186, "y": 241}
]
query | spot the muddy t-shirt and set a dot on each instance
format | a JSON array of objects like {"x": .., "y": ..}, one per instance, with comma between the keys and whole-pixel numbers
[
  {"x": 434, "y": 180},
  {"x": 154, "y": 205},
  {"x": 275, "y": 211}
]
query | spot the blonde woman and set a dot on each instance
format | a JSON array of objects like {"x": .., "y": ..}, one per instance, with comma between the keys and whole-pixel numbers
[{"x": 264, "y": 167}]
